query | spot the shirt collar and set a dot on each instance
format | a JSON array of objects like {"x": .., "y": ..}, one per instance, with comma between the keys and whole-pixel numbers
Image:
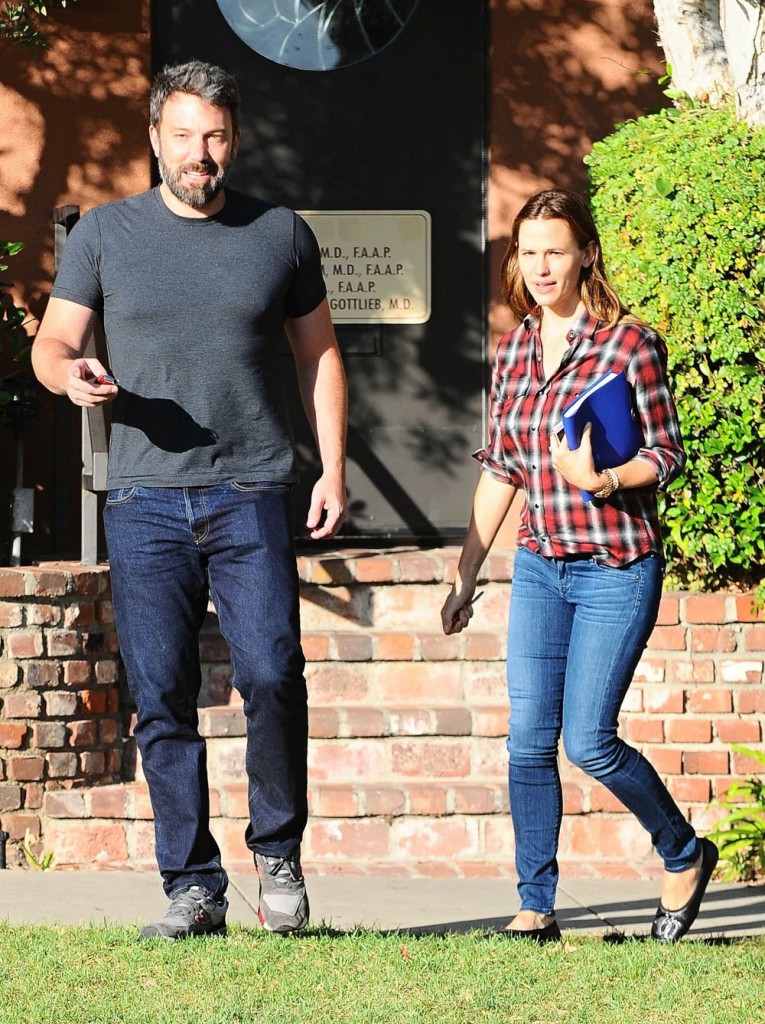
[{"x": 584, "y": 326}]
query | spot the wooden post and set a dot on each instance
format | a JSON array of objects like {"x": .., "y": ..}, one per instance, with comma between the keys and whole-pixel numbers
[{"x": 94, "y": 441}]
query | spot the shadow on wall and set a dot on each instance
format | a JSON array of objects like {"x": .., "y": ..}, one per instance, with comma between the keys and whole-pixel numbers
[
  {"x": 563, "y": 75},
  {"x": 75, "y": 132},
  {"x": 585, "y": 67}
]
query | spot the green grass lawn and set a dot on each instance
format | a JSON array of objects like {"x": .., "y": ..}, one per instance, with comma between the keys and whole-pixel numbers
[{"x": 101, "y": 975}]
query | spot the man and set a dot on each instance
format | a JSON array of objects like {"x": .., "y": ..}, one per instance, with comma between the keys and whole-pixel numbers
[{"x": 194, "y": 283}]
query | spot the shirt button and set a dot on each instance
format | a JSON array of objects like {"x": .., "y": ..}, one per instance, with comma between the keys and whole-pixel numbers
[{"x": 571, "y": 335}]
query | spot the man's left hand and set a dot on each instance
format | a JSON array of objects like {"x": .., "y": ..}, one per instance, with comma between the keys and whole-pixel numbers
[{"x": 328, "y": 509}]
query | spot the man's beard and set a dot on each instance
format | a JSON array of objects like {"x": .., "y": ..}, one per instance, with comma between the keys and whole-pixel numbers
[{"x": 196, "y": 196}]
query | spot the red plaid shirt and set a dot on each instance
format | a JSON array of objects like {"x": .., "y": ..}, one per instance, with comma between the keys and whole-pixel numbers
[{"x": 525, "y": 408}]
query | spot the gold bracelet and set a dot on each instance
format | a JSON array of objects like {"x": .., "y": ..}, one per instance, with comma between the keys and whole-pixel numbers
[{"x": 613, "y": 483}]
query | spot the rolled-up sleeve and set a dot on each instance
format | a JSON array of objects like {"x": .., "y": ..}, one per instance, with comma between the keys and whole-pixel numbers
[
  {"x": 499, "y": 456},
  {"x": 646, "y": 371}
]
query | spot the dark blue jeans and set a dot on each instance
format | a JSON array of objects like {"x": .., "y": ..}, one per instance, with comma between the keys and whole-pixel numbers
[
  {"x": 577, "y": 630},
  {"x": 170, "y": 549}
]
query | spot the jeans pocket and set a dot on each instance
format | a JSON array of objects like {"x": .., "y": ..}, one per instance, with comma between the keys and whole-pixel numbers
[
  {"x": 634, "y": 571},
  {"x": 618, "y": 572},
  {"x": 120, "y": 495},
  {"x": 258, "y": 485}
]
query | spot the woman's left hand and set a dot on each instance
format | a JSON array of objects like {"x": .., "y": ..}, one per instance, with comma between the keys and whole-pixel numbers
[{"x": 577, "y": 466}]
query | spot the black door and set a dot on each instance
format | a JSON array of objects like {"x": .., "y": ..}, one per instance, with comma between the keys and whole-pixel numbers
[{"x": 393, "y": 124}]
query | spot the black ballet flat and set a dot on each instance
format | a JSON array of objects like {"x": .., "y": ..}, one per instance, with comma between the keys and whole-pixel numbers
[
  {"x": 671, "y": 925},
  {"x": 550, "y": 933}
]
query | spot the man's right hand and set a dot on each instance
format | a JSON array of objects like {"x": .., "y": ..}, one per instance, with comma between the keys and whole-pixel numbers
[
  {"x": 58, "y": 355},
  {"x": 81, "y": 385}
]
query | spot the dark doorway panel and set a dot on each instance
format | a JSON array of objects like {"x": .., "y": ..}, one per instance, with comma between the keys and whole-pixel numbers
[{"x": 402, "y": 130}]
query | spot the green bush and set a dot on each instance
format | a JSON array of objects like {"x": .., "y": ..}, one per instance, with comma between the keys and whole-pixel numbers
[
  {"x": 679, "y": 199},
  {"x": 740, "y": 835},
  {"x": 20, "y": 21}
]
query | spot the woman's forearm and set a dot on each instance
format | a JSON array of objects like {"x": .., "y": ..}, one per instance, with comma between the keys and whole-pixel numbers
[{"x": 491, "y": 504}]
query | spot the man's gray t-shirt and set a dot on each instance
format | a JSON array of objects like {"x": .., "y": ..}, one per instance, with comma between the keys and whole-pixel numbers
[{"x": 193, "y": 310}]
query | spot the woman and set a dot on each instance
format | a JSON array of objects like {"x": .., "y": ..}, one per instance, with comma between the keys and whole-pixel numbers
[{"x": 588, "y": 575}]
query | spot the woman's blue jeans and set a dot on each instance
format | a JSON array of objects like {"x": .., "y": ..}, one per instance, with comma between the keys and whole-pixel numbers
[
  {"x": 577, "y": 630},
  {"x": 170, "y": 549}
]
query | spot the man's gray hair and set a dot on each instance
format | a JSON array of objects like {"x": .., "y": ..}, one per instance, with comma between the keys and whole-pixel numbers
[{"x": 207, "y": 81}]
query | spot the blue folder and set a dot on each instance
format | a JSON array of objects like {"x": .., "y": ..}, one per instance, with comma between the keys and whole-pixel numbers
[{"x": 616, "y": 434}]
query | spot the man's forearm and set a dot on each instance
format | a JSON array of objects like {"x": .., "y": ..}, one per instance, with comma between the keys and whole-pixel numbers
[
  {"x": 60, "y": 344},
  {"x": 325, "y": 399},
  {"x": 51, "y": 362}
]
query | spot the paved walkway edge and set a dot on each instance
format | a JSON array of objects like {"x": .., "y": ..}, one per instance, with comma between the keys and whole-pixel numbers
[{"x": 585, "y": 906}]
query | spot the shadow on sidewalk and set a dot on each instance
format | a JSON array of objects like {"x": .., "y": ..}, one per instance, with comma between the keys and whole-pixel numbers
[{"x": 728, "y": 916}]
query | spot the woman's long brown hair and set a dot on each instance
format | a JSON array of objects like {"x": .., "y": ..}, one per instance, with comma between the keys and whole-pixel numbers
[{"x": 599, "y": 298}]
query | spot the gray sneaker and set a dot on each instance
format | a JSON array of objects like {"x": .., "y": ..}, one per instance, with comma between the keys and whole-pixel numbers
[
  {"x": 190, "y": 913},
  {"x": 283, "y": 899}
]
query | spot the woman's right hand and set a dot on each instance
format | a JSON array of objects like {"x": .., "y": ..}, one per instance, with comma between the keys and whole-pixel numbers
[
  {"x": 491, "y": 503},
  {"x": 457, "y": 610}
]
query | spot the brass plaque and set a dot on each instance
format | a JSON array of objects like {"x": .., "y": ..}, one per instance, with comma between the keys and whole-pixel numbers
[{"x": 376, "y": 264}]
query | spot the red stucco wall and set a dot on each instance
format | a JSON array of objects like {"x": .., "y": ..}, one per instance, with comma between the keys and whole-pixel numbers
[{"x": 74, "y": 131}]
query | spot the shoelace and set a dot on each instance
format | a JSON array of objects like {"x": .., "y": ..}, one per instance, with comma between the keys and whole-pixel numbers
[
  {"x": 281, "y": 870},
  {"x": 183, "y": 905}
]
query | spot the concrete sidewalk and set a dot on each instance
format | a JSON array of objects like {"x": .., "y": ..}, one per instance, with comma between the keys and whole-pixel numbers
[{"x": 592, "y": 906}]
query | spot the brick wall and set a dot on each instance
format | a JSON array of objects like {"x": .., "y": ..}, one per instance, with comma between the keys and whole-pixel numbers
[
  {"x": 60, "y": 726},
  {"x": 407, "y": 755}
]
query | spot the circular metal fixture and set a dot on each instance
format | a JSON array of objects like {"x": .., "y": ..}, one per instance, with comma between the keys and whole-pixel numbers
[{"x": 317, "y": 35}]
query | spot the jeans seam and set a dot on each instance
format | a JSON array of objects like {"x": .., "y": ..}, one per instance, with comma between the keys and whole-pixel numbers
[
  {"x": 605, "y": 690},
  {"x": 197, "y": 536}
]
